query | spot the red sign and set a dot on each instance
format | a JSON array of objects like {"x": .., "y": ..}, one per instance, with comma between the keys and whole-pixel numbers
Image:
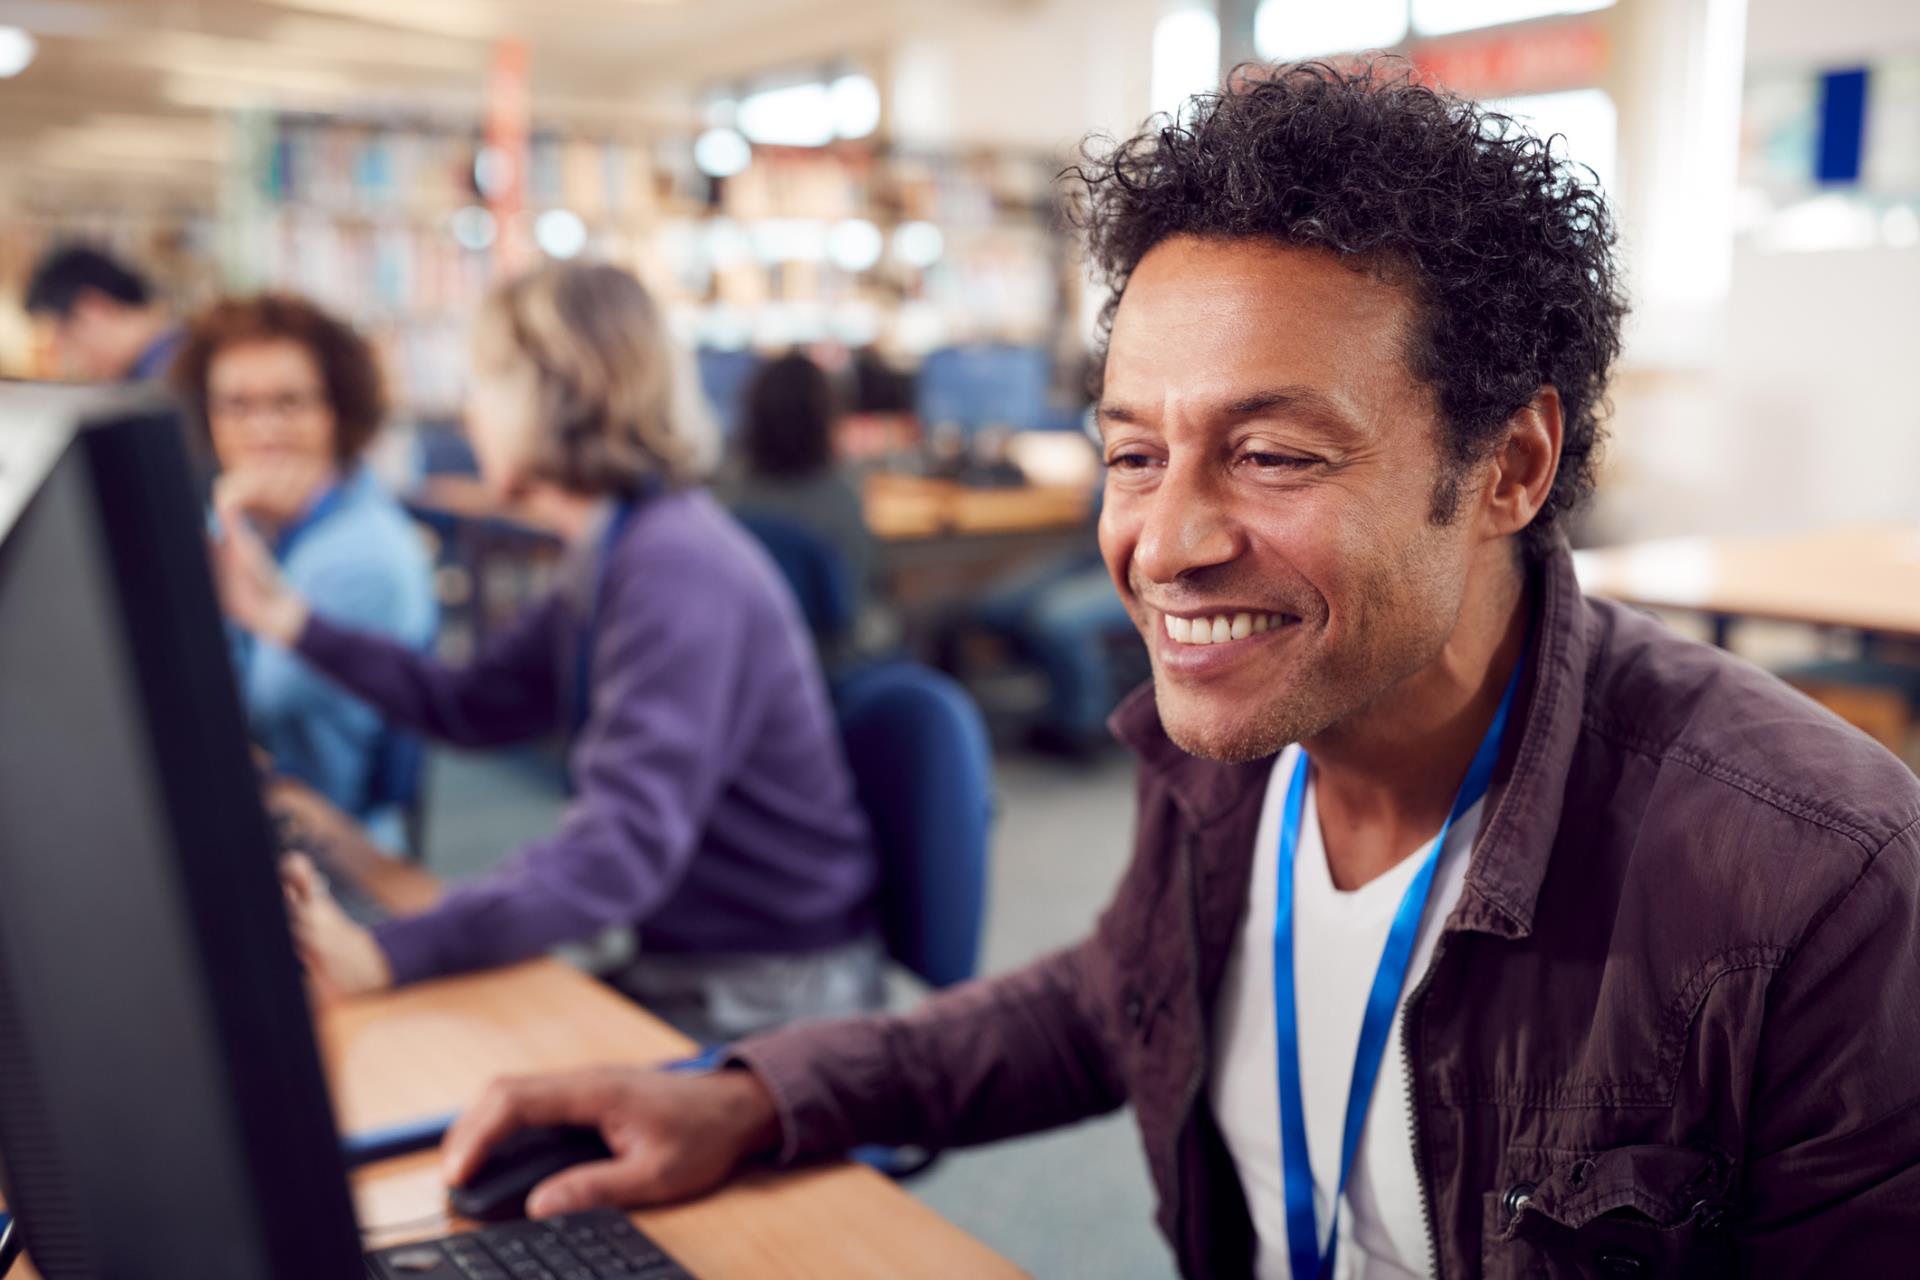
[
  {"x": 502, "y": 167},
  {"x": 1532, "y": 59}
]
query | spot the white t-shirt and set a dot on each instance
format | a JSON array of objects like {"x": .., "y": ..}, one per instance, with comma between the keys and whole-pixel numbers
[{"x": 1337, "y": 940}]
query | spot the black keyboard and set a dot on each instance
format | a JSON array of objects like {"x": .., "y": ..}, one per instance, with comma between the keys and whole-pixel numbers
[{"x": 600, "y": 1245}]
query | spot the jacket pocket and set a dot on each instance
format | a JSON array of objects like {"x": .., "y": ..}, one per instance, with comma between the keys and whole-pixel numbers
[{"x": 1628, "y": 1213}]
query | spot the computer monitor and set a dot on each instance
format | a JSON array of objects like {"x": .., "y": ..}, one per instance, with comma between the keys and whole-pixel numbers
[{"x": 162, "y": 1106}]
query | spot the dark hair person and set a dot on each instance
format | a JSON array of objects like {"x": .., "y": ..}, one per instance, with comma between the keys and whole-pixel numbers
[
  {"x": 1474, "y": 927},
  {"x": 787, "y": 467},
  {"x": 713, "y": 807},
  {"x": 287, "y": 398},
  {"x": 107, "y": 326}
]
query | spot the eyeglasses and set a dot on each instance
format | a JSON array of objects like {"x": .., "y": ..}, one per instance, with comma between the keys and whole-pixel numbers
[{"x": 281, "y": 404}]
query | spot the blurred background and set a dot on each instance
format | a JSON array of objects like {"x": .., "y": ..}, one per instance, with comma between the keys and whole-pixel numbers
[{"x": 871, "y": 182}]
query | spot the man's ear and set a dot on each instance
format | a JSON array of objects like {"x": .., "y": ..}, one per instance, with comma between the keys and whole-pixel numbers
[{"x": 1525, "y": 464}]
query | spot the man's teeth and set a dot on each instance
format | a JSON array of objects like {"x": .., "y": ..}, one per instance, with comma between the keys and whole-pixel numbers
[{"x": 1221, "y": 627}]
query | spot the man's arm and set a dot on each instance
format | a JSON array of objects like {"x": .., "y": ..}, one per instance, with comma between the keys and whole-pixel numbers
[
  {"x": 988, "y": 1060},
  {"x": 1832, "y": 1183},
  {"x": 984, "y": 1061}
]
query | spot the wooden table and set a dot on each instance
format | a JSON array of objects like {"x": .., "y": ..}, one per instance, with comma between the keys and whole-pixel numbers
[
  {"x": 1861, "y": 579},
  {"x": 901, "y": 507},
  {"x": 431, "y": 1048}
]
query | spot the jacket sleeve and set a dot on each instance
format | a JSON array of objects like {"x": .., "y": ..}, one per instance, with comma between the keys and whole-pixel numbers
[
  {"x": 508, "y": 693},
  {"x": 988, "y": 1060},
  {"x": 1832, "y": 1182}
]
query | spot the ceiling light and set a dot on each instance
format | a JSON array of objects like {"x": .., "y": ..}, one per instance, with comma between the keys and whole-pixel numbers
[
  {"x": 474, "y": 227},
  {"x": 854, "y": 102},
  {"x": 854, "y": 245},
  {"x": 799, "y": 115},
  {"x": 919, "y": 244},
  {"x": 721, "y": 153},
  {"x": 561, "y": 233},
  {"x": 16, "y": 51}
]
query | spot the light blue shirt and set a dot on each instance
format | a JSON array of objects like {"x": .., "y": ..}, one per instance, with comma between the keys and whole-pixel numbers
[{"x": 357, "y": 559}]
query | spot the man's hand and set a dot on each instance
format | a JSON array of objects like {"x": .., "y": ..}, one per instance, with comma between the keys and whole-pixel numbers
[
  {"x": 343, "y": 958},
  {"x": 252, "y": 592},
  {"x": 673, "y": 1136}
]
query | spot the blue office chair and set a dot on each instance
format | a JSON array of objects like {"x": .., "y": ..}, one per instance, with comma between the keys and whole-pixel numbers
[
  {"x": 724, "y": 378},
  {"x": 918, "y": 750},
  {"x": 441, "y": 448},
  {"x": 921, "y": 764},
  {"x": 815, "y": 571},
  {"x": 399, "y": 769}
]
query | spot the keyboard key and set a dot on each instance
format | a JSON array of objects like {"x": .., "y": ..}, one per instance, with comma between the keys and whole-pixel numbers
[{"x": 600, "y": 1245}]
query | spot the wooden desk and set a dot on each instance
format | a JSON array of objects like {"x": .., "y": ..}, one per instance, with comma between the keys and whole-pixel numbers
[
  {"x": 900, "y": 508},
  {"x": 432, "y": 1048},
  {"x": 1863, "y": 579}
]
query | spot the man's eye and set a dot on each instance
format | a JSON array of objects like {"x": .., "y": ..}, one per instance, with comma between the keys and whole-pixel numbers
[
  {"x": 1129, "y": 462},
  {"x": 1280, "y": 461}
]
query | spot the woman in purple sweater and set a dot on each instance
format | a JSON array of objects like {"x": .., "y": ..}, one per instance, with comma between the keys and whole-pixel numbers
[{"x": 713, "y": 808}]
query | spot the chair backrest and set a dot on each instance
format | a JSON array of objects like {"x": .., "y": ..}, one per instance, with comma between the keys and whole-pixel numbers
[
  {"x": 918, "y": 749},
  {"x": 399, "y": 759},
  {"x": 724, "y": 378},
  {"x": 441, "y": 449},
  {"x": 813, "y": 568}
]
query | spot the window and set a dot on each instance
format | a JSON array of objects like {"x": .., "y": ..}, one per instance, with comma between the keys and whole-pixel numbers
[
  {"x": 1186, "y": 57},
  {"x": 1294, "y": 29},
  {"x": 1586, "y": 116}
]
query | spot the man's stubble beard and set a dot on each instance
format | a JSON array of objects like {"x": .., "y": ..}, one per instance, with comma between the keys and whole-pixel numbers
[{"x": 1333, "y": 688}]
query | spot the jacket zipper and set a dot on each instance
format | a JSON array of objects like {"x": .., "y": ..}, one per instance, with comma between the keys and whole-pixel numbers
[
  {"x": 1198, "y": 1078},
  {"x": 1407, "y": 1042}
]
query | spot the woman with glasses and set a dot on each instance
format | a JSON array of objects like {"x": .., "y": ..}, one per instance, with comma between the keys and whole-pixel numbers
[{"x": 289, "y": 399}]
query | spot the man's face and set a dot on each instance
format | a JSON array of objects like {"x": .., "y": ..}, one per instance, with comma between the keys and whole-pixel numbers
[
  {"x": 1270, "y": 492},
  {"x": 89, "y": 342}
]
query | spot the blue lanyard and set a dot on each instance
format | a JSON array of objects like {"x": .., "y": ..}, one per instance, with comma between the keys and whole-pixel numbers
[
  {"x": 316, "y": 511},
  {"x": 1303, "y": 1234},
  {"x": 583, "y": 666}
]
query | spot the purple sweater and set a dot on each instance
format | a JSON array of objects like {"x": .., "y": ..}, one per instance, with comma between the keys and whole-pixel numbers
[{"x": 713, "y": 806}]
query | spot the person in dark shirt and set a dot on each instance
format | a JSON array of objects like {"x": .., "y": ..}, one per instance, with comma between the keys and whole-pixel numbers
[
  {"x": 787, "y": 469},
  {"x": 106, "y": 323}
]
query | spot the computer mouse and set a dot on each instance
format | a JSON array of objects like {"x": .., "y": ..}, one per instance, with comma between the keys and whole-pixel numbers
[{"x": 498, "y": 1189}]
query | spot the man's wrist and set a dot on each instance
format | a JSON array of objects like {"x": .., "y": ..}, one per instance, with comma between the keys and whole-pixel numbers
[{"x": 751, "y": 1106}]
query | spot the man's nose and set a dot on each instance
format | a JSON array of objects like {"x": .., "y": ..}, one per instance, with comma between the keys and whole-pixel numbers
[{"x": 1189, "y": 525}]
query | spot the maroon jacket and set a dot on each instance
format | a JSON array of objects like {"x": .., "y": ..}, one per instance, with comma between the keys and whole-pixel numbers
[{"x": 1672, "y": 1028}]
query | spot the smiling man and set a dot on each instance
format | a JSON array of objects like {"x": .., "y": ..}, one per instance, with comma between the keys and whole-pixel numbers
[{"x": 1474, "y": 927}]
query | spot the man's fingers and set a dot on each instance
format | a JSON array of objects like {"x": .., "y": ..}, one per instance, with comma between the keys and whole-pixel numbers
[
  {"x": 630, "y": 1180},
  {"x": 580, "y": 1098}
]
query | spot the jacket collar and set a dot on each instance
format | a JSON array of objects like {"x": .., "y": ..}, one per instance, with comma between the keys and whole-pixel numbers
[{"x": 1523, "y": 808}]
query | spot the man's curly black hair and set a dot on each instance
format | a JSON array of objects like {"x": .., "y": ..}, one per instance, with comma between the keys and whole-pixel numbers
[{"x": 1507, "y": 248}]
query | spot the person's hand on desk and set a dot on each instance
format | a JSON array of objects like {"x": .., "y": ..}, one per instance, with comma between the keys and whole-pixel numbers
[
  {"x": 673, "y": 1136},
  {"x": 343, "y": 958},
  {"x": 252, "y": 592}
]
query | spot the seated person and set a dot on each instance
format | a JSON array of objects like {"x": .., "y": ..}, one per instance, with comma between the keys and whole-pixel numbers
[
  {"x": 713, "y": 807},
  {"x": 289, "y": 398},
  {"x": 1475, "y": 927},
  {"x": 105, "y": 323},
  {"x": 786, "y": 469}
]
